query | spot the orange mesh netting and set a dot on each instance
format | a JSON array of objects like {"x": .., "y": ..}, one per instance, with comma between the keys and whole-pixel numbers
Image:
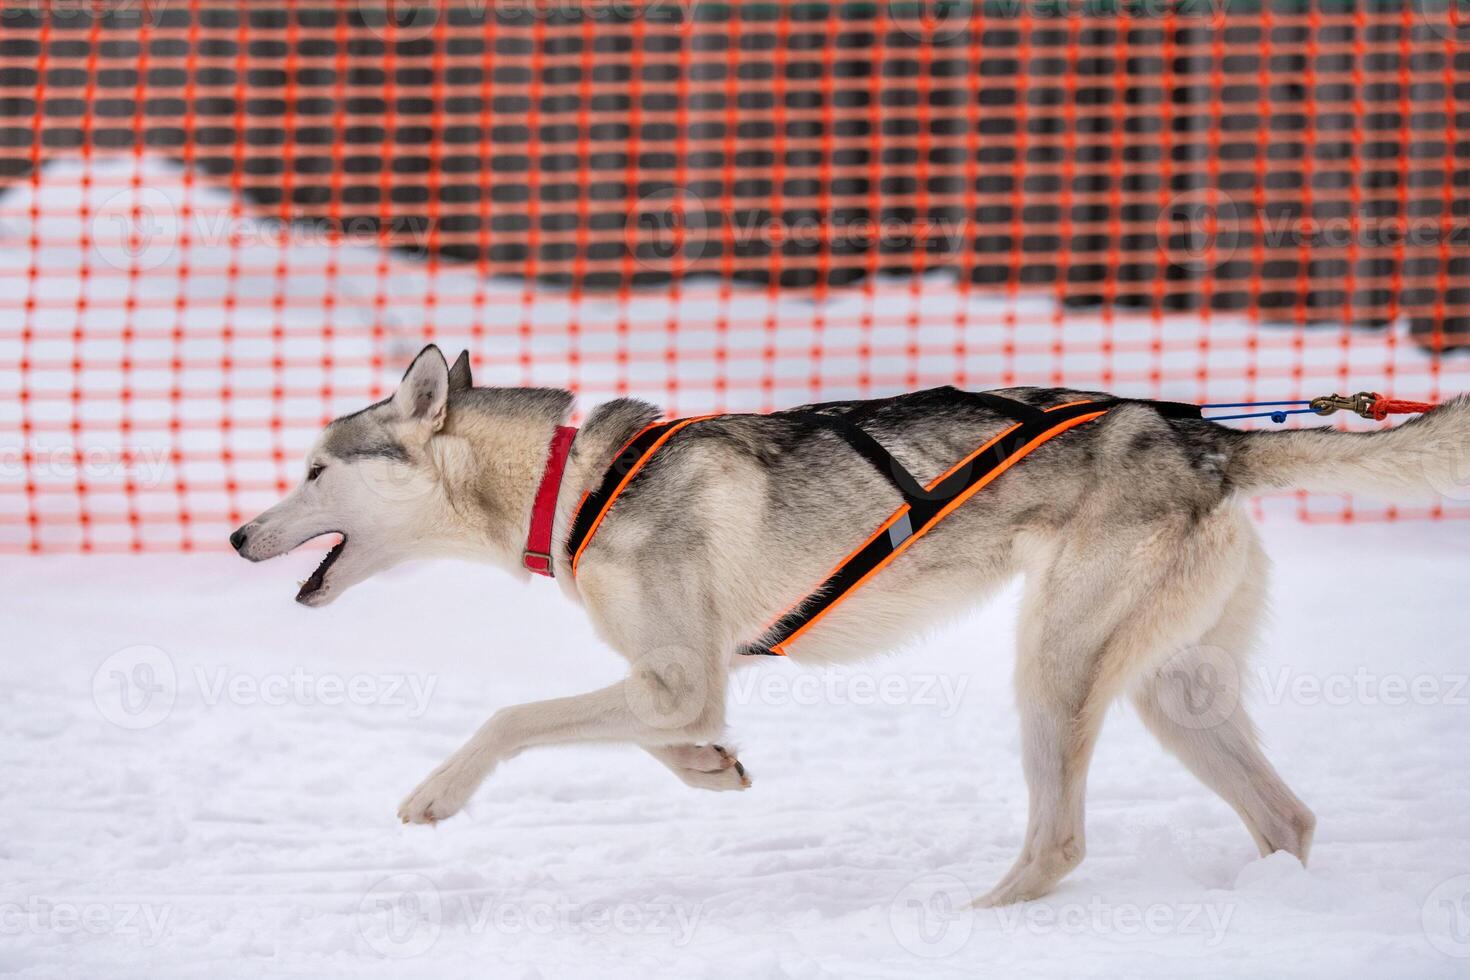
[{"x": 223, "y": 223}]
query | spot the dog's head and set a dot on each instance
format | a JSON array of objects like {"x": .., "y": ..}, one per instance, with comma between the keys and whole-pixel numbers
[{"x": 370, "y": 480}]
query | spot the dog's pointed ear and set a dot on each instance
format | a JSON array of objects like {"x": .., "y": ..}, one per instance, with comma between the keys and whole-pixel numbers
[
  {"x": 459, "y": 373},
  {"x": 424, "y": 390}
]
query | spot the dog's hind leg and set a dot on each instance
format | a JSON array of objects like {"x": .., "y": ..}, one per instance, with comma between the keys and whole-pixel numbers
[
  {"x": 702, "y": 766},
  {"x": 1097, "y": 609},
  {"x": 1193, "y": 703}
]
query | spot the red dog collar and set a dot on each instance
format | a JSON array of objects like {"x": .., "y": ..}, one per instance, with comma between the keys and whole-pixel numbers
[{"x": 537, "y": 556}]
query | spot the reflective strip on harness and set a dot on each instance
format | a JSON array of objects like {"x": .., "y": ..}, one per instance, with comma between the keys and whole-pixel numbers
[{"x": 917, "y": 516}]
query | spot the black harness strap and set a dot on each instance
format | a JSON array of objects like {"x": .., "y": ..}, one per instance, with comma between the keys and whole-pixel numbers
[
  {"x": 868, "y": 448},
  {"x": 924, "y": 507},
  {"x": 845, "y": 424},
  {"x": 1169, "y": 410}
]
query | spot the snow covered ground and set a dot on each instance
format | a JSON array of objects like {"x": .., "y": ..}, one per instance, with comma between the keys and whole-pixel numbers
[{"x": 200, "y": 779}]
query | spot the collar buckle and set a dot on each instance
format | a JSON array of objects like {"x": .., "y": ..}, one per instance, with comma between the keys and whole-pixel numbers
[{"x": 528, "y": 557}]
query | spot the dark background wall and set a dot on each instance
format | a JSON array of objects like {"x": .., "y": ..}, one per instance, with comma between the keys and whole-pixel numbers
[{"x": 1298, "y": 162}]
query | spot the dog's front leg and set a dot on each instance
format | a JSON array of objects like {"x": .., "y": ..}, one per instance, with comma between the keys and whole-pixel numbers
[{"x": 660, "y": 704}]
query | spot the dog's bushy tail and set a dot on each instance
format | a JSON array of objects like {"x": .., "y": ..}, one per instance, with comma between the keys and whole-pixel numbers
[{"x": 1425, "y": 458}]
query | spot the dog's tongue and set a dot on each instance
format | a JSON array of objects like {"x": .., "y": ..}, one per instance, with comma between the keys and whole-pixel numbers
[{"x": 318, "y": 577}]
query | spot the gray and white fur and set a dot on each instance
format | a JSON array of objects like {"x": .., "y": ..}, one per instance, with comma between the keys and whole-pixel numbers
[{"x": 1143, "y": 576}]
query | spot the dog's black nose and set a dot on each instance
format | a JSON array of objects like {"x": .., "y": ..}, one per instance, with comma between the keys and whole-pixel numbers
[{"x": 238, "y": 538}]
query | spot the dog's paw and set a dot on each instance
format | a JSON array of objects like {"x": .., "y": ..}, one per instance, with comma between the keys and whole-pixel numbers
[
  {"x": 1007, "y": 893},
  {"x": 1033, "y": 876},
  {"x": 710, "y": 767},
  {"x": 439, "y": 797}
]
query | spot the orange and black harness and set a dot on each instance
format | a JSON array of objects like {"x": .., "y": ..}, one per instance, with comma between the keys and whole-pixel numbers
[{"x": 923, "y": 507}]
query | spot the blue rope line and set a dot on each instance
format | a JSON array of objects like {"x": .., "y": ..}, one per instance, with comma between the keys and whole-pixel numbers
[{"x": 1277, "y": 416}]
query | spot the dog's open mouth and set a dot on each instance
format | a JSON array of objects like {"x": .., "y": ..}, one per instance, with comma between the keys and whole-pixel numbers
[{"x": 318, "y": 579}]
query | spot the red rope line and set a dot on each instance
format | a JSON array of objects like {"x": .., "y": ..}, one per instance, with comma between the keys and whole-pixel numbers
[{"x": 1383, "y": 407}]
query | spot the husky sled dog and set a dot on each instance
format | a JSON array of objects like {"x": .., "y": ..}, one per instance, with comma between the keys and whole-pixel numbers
[{"x": 1142, "y": 574}]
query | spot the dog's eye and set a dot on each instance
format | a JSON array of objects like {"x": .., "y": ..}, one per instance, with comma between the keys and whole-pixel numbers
[{"x": 315, "y": 471}]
